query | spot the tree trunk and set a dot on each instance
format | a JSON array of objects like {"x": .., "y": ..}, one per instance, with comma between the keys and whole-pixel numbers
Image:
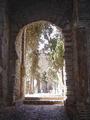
[
  {"x": 38, "y": 85},
  {"x": 62, "y": 76}
]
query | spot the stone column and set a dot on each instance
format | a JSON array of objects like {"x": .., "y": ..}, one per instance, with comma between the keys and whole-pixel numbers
[
  {"x": 83, "y": 101},
  {"x": 81, "y": 87},
  {"x": 88, "y": 62},
  {"x": 19, "y": 76},
  {"x": 70, "y": 82},
  {"x": 1, "y": 69}
]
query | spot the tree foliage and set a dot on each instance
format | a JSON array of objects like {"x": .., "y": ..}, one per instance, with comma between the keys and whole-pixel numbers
[
  {"x": 57, "y": 55},
  {"x": 52, "y": 73},
  {"x": 56, "y": 46},
  {"x": 33, "y": 32}
]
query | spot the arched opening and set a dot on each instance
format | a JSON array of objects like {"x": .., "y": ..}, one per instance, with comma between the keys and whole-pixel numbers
[
  {"x": 65, "y": 13},
  {"x": 40, "y": 67}
]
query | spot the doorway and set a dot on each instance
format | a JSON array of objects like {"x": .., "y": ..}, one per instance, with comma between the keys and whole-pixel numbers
[{"x": 41, "y": 62}]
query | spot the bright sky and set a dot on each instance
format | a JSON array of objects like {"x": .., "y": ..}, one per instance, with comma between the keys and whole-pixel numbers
[{"x": 52, "y": 35}]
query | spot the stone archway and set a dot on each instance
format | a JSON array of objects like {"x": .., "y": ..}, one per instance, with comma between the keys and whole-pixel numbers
[
  {"x": 42, "y": 11},
  {"x": 69, "y": 15},
  {"x": 20, "y": 49},
  {"x": 63, "y": 19}
]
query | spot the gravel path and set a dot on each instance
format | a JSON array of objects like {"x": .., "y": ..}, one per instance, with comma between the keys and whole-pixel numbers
[{"x": 34, "y": 112}]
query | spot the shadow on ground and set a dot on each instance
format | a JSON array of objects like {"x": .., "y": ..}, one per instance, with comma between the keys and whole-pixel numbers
[{"x": 34, "y": 112}]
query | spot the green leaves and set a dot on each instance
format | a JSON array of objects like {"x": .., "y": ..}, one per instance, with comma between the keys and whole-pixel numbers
[
  {"x": 57, "y": 54},
  {"x": 53, "y": 46},
  {"x": 33, "y": 32}
]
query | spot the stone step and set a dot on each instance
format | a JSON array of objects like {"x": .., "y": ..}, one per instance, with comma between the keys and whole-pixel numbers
[
  {"x": 42, "y": 101},
  {"x": 44, "y": 98}
]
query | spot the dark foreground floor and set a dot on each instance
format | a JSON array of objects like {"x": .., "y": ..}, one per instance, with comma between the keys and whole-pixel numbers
[{"x": 34, "y": 112}]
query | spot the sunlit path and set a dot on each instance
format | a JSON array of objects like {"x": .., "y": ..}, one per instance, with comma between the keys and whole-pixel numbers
[
  {"x": 44, "y": 98},
  {"x": 45, "y": 95}
]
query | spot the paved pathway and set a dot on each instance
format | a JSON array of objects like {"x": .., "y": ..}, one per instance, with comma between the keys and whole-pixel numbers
[{"x": 34, "y": 112}]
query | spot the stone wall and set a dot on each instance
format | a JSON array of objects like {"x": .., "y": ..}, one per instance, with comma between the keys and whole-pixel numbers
[
  {"x": 23, "y": 13},
  {"x": 83, "y": 44},
  {"x": 77, "y": 46},
  {"x": 4, "y": 44}
]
